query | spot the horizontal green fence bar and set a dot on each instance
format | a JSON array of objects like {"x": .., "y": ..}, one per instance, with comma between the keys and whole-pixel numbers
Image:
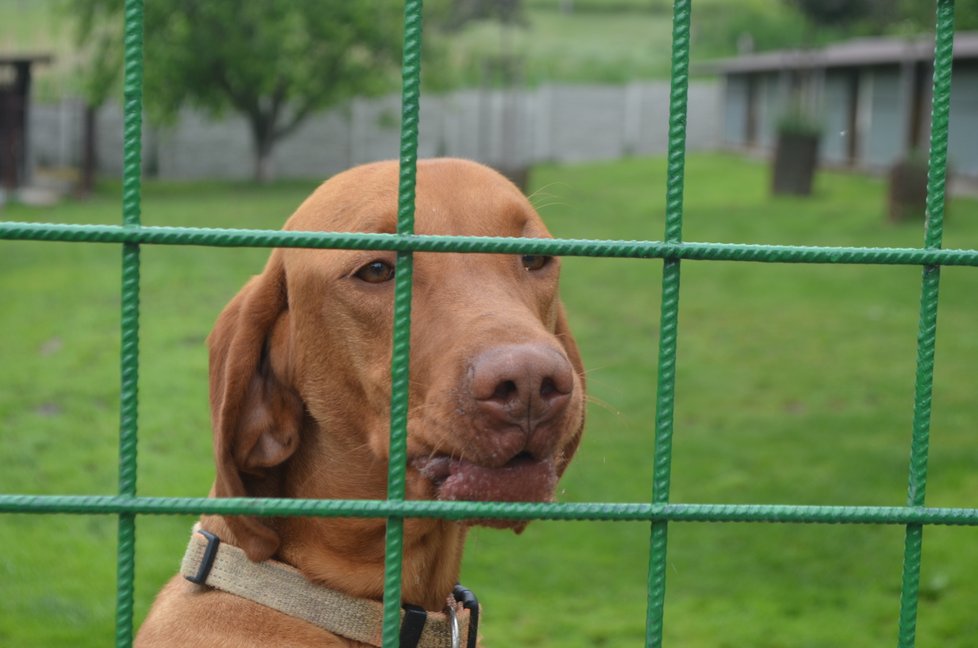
[
  {"x": 610, "y": 512},
  {"x": 426, "y": 243}
]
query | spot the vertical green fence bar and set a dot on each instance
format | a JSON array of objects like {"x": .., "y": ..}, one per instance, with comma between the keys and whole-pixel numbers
[
  {"x": 400, "y": 360},
  {"x": 669, "y": 320},
  {"x": 129, "y": 357},
  {"x": 927, "y": 332}
]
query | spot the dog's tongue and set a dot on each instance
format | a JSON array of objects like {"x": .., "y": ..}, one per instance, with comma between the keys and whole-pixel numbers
[{"x": 521, "y": 480}]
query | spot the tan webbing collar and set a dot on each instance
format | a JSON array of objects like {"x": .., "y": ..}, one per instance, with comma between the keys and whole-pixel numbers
[{"x": 279, "y": 586}]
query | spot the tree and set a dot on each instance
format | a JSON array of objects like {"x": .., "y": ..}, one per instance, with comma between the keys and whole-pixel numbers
[
  {"x": 834, "y": 12},
  {"x": 883, "y": 16},
  {"x": 920, "y": 14},
  {"x": 274, "y": 62},
  {"x": 505, "y": 11},
  {"x": 100, "y": 49}
]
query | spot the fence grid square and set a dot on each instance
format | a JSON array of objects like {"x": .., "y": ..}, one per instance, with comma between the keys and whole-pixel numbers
[{"x": 659, "y": 512}]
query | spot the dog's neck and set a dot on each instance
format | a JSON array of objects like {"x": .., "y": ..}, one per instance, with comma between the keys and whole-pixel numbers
[
  {"x": 432, "y": 554},
  {"x": 347, "y": 554}
]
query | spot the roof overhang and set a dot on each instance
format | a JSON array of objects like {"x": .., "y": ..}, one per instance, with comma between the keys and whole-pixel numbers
[
  {"x": 21, "y": 59},
  {"x": 853, "y": 53}
]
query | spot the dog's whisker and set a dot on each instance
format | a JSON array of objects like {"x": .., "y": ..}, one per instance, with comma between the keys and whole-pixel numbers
[
  {"x": 605, "y": 405},
  {"x": 546, "y": 187},
  {"x": 591, "y": 370},
  {"x": 556, "y": 203}
]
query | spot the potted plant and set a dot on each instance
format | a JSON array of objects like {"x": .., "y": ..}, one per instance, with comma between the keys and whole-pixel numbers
[
  {"x": 907, "y": 194},
  {"x": 796, "y": 154}
]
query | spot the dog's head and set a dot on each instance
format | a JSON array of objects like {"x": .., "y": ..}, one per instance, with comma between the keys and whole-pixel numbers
[{"x": 301, "y": 357}]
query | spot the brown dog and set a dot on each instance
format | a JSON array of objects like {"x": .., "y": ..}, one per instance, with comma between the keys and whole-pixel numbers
[{"x": 300, "y": 398}]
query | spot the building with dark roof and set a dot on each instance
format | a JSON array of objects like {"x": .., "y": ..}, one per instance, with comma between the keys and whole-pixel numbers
[{"x": 871, "y": 96}]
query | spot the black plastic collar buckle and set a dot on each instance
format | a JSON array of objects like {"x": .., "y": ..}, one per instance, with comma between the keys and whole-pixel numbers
[
  {"x": 207, "y": 562},
  {"x": 412, "y": 625},
  {"x": 415, "y": 617}
]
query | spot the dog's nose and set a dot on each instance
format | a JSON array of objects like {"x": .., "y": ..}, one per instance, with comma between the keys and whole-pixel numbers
[{"x": 522, "y": 385}]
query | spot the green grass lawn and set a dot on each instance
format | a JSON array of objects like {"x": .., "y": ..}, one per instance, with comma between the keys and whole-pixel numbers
[{"x": 794, "y": 386}]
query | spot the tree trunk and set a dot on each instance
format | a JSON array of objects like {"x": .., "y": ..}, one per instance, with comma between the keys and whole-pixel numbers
[
  {"x": 263, "y": 167},
  {"x": 263, "y": 141}
]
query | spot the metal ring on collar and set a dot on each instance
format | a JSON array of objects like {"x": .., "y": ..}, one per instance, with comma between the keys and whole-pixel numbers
[{"x": 456, "y": 635}]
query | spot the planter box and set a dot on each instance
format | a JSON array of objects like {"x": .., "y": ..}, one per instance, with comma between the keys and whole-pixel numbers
[
  {"x": 907, "y": 196},
  {"x": 795, "y": 161}
]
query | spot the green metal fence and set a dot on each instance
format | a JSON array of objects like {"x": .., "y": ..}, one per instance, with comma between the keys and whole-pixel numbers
[{"x": 672, "y": 251}]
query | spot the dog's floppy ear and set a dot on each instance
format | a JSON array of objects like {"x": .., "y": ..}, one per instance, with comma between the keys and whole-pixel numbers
[
  {"x": 255, "y": 414},
  {"x": 563, "y": 333}
]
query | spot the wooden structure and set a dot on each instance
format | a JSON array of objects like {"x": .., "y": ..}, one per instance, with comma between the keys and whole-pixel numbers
[{"x": 15, "y": 89}]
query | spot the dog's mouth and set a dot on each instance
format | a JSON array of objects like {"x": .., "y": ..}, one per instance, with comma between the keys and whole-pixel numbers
[{"x": 524, "y": 478}]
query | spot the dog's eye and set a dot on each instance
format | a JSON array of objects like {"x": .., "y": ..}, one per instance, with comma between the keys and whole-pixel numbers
[
  {"x": 375, "y": 272},
  {"x": 535, "y": 261}
]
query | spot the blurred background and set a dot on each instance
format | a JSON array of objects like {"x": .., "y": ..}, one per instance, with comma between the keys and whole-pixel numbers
[
  {"x": 287, "y": 93},
  {"x": 808, "y": 124}
]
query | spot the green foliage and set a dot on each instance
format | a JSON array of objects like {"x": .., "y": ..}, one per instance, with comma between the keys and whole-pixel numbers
[
  {"x": 551, "y": 46},
  {"x": 607, "y": 41},
  {"x": 99, "y": 47},
  {"x": 919, "y": 15},
  {"x": 794, "y": 385},
  {"x": 278, "y": 59},
  {"x": 834, "y": 12},
  {"x": 603, "y": 6},
  {"x": 881, "y": 17},
  {"x": 800, "y": 123},
  {"x": 464, "y": 11},
  {"x": 917, "y": 158},
  {"x": 272, "y": 62},
  {"x": 719, "y": 26}
]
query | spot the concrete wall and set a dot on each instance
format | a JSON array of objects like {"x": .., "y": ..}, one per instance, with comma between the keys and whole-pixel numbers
[
  {"x": 963, "y": 144},
  {"x": 735, "y": 110},
  {"x": 507, "y": 129},
  {"x": 772, "y": 105},
  {"x": 886, "y": 138},
  {"x": 836, "y": 102}
]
